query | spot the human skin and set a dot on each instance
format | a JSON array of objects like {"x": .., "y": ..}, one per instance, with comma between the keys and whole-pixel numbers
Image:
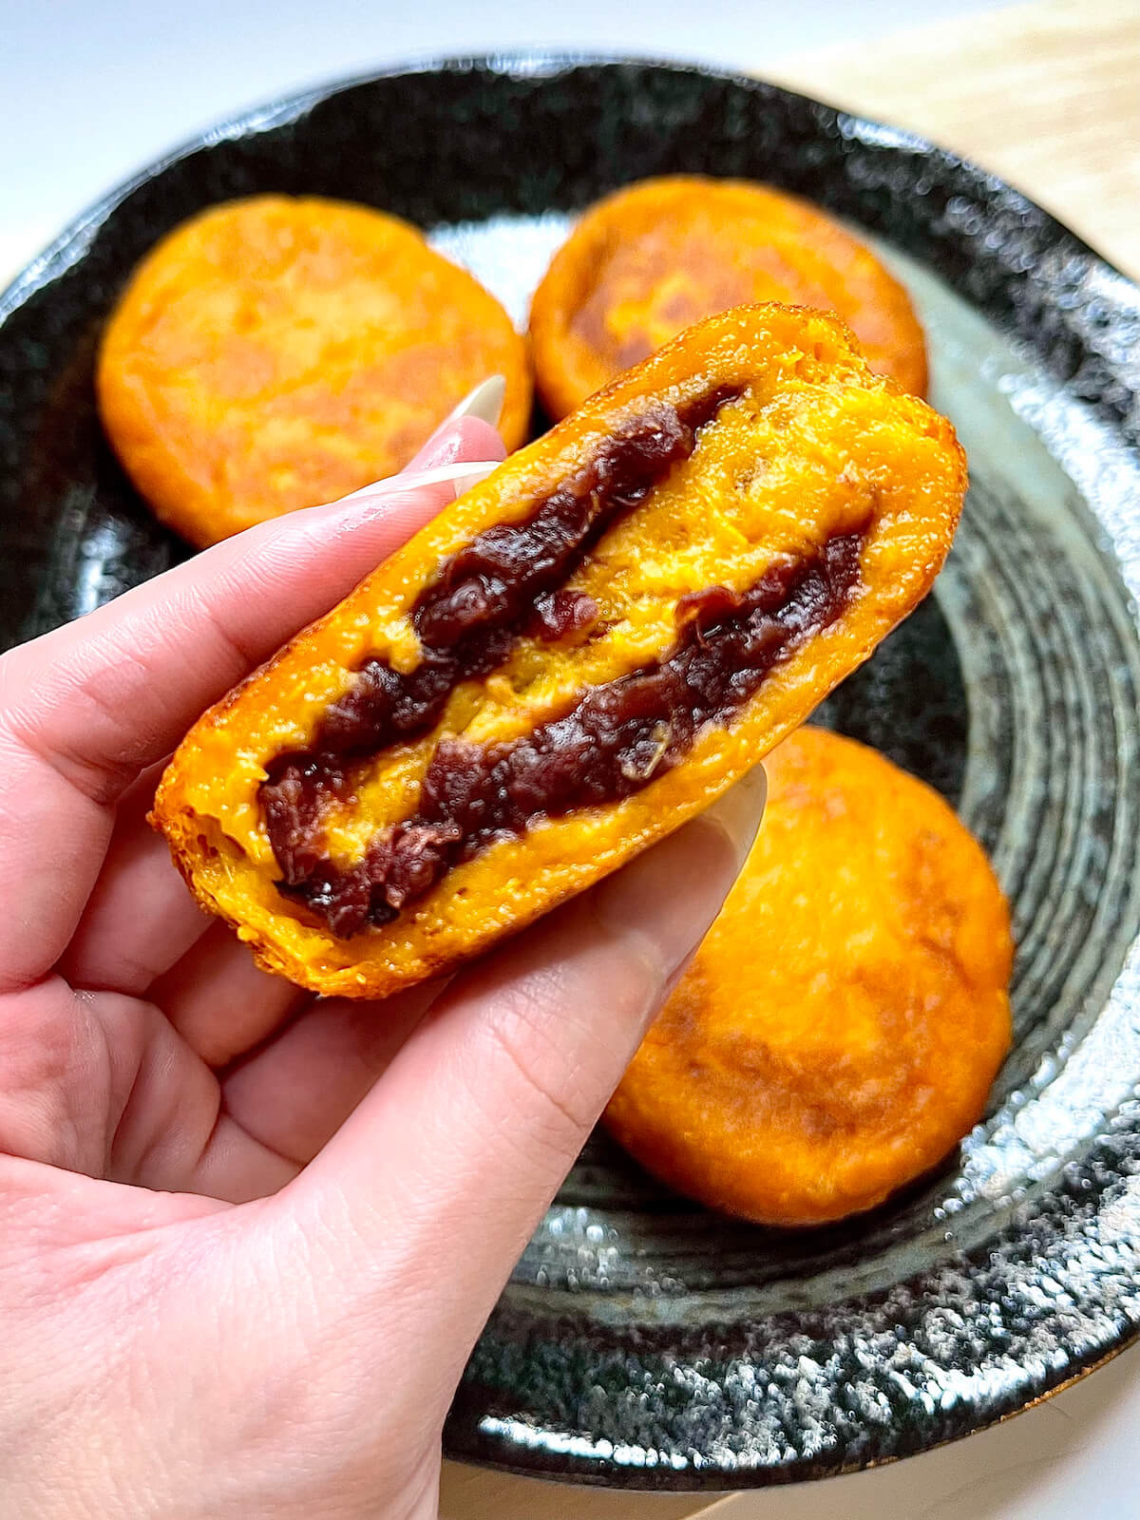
[{"x": 229, "y": 1279}]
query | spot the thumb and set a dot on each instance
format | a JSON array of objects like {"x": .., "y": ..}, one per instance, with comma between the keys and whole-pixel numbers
[{"x": 484, "y": 1110}]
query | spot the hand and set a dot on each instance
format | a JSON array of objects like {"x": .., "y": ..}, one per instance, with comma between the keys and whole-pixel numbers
[{"x": 228, "y": 1277}]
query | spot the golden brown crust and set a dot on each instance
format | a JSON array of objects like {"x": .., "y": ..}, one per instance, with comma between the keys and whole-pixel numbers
[
  {"x": 838, "y": 1030},
  {"x": 816, "y": 446},
  {"x": 276, "y": 352},
  {"x": 647, "y": 261}
]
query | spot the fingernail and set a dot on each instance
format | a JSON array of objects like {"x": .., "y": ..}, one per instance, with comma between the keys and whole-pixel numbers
[
  {"x": 739, "y": 811},
  {"x": 461, "y": 476},
  {"x": 669, "y": 896},
  {"x": 484, "y": 402}
]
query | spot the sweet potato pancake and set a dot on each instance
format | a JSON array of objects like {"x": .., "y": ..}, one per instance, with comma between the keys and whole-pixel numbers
[
  {"x": 649, "y": 260},
  {"x": 579, "y": 654},
  {"x": 838, "y": 1030},
  {"x": 275, "y": 352}
]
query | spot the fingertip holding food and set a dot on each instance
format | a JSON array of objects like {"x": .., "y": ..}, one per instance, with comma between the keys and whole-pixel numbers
[
  {"x": 738, "y": 812},
  {"x": 839, "y": 1029},
  {"x": 461, "y": 477},
  {"x": 277, "y": 352},
  {"x": 458, "y": 439},
  {"x": 669, "y": 896},
  {"x": 585, "y": 651},
  {"x": 485, "y": 401}
]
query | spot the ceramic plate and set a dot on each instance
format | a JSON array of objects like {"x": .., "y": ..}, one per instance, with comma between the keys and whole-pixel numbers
[{"x": 643, "y": 1341}]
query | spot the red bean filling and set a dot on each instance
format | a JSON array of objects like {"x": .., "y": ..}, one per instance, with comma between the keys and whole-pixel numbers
[
  {"x": 615, "y": 740},
  {"x": 507, "y": 582}
]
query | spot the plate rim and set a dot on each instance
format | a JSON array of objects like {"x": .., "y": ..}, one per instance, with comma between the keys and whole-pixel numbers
[
  {"x": 68, "y": 248},
  {"x": 537, "y": 63}
]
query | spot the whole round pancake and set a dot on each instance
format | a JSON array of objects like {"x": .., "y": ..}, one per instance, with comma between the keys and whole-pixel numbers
[
  {"x": 838, "y": 1030},
  {"x": 651, "y": 259},
  {"x": 275, "y": 352}
]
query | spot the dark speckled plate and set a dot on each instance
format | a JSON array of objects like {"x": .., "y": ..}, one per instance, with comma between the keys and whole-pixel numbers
[{"x": 641, "y": 1340}]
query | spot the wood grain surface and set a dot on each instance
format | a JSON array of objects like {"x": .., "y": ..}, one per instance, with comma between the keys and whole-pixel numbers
[{"x": 1047, "y": 95}]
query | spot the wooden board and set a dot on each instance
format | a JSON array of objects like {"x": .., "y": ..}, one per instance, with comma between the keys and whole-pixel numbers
[
  {"x": 1047, "y": 95},
  {"x": 469, "y": 1493}
]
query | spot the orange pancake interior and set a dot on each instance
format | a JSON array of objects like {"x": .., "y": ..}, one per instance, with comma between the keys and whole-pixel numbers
[{"x": 578, "y": 654}]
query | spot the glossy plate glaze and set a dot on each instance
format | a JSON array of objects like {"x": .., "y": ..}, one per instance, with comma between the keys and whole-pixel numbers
[{"x": 643, "y": 1341}]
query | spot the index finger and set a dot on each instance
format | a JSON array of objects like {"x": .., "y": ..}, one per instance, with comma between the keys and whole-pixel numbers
[{"x": 86, "y": 708}]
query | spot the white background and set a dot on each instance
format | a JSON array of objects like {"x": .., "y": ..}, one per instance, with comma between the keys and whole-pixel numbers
[{"x": 90, "y": 90}]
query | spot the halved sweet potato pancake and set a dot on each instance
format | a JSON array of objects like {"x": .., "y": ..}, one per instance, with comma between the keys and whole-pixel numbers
[
  {"x": 838, "y": 1030},
  {"x": 281, "y": 351},
  {"x": 656, "y": 256},
  {"x": 581, "y": 653}
]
